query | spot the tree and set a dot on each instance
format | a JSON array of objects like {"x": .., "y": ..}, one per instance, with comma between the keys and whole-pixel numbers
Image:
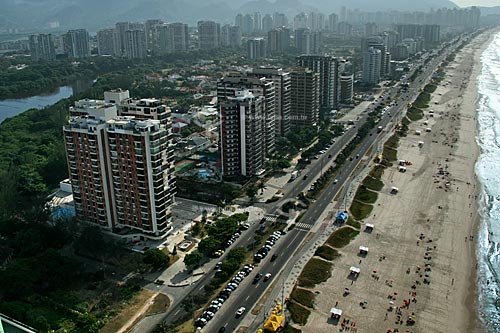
[
  {"x": 193, "y": 258},
  {"x": 156, "y": 258},
  {"x": 252, "y": 192}
]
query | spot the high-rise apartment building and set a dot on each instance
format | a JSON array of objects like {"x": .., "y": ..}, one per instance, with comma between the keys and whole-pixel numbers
[
  {"x": 42, "y": 47},
  {"x": 121, "y": 168},
  {"x": 241, "y": 135},
  {"x": 135, "y": 44},
  {"x": 282, "y": 94},
  {"x": 372, "y": 59},
  {"x": 120, "y": 28},
  {"x": 333, "y": 20},
  {"x": 328, "y": 68},
  {"x": 231, "y": 36},
  {"x": 77, "y": 43},
  {"x": 247, "y": 24},
  {"x": 231, "y": 84},
  {"x": 307, "y": 41},
  {"x": 256, "y": 48},
  {"x": 280, "y": 20},
  {"x": 278, "y": 40},
  {"x": 151, "y": 33},
  {"x": 209, "y": 35},
  {"x": 107, "y": 42},
  {"x": 257, "y": 21},
  {"x": 305, "y": 92},
  {"x": 346, "y": 88},
  {"x": 267, "y": 23},
  {"x": 172, "y": 37},
  {"x": 430, "y": 32},
  {"x": 377, "y": 42}
]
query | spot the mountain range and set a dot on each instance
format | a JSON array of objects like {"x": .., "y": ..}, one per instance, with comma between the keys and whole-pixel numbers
[{"x": 96, "y": 14}]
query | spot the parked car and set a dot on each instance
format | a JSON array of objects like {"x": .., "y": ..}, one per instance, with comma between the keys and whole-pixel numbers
[{"x": 267, "y": 276}]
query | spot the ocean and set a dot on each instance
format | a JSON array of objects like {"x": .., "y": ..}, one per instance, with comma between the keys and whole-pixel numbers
[{"x": 488, "y": 172}]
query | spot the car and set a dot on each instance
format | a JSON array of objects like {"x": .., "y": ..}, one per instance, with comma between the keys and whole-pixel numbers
[
  {"x": 218, "y": 266},
  {"x": 257, "y": 278},
  {"x": 159, "y": 282},
  {"x": 222, "y": 329},
  {"x": 335, "y": 181},
  {"x": 267, "y": 276},
  {"x": 219, "y": 253},
  {"x": 240, "y": 311},
  {"x": 257, "y": 257},
  {"x": 274, "y": 257},
  {"x": 305, "y": 177},
  {"x": 245, "y": 226}
]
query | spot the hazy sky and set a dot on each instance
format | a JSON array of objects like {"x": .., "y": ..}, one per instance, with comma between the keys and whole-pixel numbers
[{"x": 464, "y": 3}]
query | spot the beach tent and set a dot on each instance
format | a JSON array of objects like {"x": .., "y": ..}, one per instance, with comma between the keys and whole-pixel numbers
[
  {"x": 402, "y": 162},
  {"x": 428, "y": 129},
  {"x": 420, "y": 144},
  {"x": 369, "y": 227},
  {"x": 363, "y": 250},
  {"x": 394, "y": 190},
  {"x": 354, "y": 270},
  {"x": 336, "y": 313},
  {"x": 402, "y": 169}
]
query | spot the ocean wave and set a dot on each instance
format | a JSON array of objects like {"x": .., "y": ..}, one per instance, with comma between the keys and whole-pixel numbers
[{"x": 488, "y": 172}]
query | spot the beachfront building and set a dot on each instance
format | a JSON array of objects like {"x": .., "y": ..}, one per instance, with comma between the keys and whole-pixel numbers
[
  {"x": 231, "y": 85},
  {"x": 121, "y": 167},
  {"x": 305, "y": 98},
  {"x": 242, "y": 135},
  {"x": 328, "y": 69},
  {"x": 371, "y": 65}
]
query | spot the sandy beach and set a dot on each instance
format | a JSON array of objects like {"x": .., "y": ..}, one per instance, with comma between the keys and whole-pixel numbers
[{"x": 421, "y": 258}]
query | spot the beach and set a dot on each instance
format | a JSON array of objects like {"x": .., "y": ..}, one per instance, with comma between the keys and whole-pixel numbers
[{"x": 421, "y": 261}]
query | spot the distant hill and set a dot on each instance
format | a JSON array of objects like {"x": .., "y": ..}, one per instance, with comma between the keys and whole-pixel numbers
[{"x": 95, "y": 14}]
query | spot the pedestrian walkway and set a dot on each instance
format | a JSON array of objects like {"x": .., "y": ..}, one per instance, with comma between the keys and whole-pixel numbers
[{"x": 303, "y": 226}]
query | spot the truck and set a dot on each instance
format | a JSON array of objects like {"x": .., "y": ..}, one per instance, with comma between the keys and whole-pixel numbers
[
  {"x": 379, "y": 129},
  {"x": 294, "y": 175}
]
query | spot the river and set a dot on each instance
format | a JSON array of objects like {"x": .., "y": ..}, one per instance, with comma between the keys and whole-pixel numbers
[{"x": 12, "y": 107}]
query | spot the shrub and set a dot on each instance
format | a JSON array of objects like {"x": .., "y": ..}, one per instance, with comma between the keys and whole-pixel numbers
[
  {"x": 341, "y": 237},
  {"x": 360, "y": 210},
  {"x": 303, "y": 296},
  {"x": 314, "y": 272},
  {"x": 298, "y": 313},
  {"x": 327, "y": 252}
]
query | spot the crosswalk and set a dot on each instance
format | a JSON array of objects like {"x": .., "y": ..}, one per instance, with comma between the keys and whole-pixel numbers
[
  {"x": 303, "y": 226},
  {"x": 271, "y": 218}
]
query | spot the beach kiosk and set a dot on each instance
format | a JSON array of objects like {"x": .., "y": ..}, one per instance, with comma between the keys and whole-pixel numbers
[
  {"x": 418, "y": 132},
  {"x": 420, "y": 144},
  {"x": 394, "y": 190},
  {"x": 335, "y": 313},
  {"x": 369, "y": 227},
  {"x": 402, "y": 169},
  {"x": 363, "y": 250},
  {"x": 354, "y": 271}
]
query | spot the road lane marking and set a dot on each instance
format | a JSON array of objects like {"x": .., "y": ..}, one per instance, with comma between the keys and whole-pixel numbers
[{"x": 246, "y": 299}]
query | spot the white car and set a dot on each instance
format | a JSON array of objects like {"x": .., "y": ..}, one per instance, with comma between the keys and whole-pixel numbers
[
  {"x": 335, "y": 181},
  {"x": 240, "y": 311}
]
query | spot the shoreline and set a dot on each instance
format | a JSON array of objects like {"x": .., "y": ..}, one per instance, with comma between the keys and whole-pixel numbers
[{"x": 441, "y": 208}]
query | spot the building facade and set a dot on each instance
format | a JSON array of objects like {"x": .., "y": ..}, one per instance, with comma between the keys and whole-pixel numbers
[
  {"x": 209, "y": 35},
  {"x": 121, "y": 167},
  {"x": 77, "y": 43},
  {"x": 372, "y": 59},
  {"x": 107, "y": 42},
  {"x": 256, "y": 48},
  {"x": 42, "y": 47},
  {"x": 241, "y": 135},
  {"x": 135, "y": 44},
  {"x": 305, "y": 98}
]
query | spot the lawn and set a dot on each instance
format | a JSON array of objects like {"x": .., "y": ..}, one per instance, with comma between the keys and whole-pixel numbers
[
  {"x": 373, "y": 184},
  {"x": 377, "y": 171},
  {"x": 303, "y": 296},
  {"x": 414, "y": 114},
  {"x": 353, "y": 223},
  {"x": 291, "y": 329},
  {"x": 298, "y": 313},
  {"x": 422, "y": 100},
  {"x": 327, "y": 252},
  {"x": 360, "y": 210},
  {"x": 341, "y": 237},
  {"x": 315, "y": 271},
  {"x": 365, "y": 195}
]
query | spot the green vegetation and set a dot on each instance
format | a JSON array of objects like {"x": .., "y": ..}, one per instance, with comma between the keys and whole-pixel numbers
[
  {"x": 377, "y": 172},
  {"x": 341, "y": 237},
  {"x": 298, "y": 313},
  {"x": 360, "y": 210},
  {"x": 290, "y": 329},
  {"x": 303, "y": 297},
  {"x": 193, "y": 258},
  {"x": 430, "y": 88},
  {"x": 314, "y": 272},
  {"x": 190, "y": 129},
  {"x": 353, "y": 223},
  {"x": 422, "y": 100},
  {"x": 206, "y": 191},
  {"x": 373, "y": 184},
  {"x": 230, "y": 265},
  {"x": 390, "y": 149},
  {"x": 327, "y": 253},
  {"x": 365, "y": 195},
  {"x": 220, "y": 232},
  {"x": 156, "y": 258},
  {"x": 48, "y": 286},
  {"x": 414, "y": 114}
]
